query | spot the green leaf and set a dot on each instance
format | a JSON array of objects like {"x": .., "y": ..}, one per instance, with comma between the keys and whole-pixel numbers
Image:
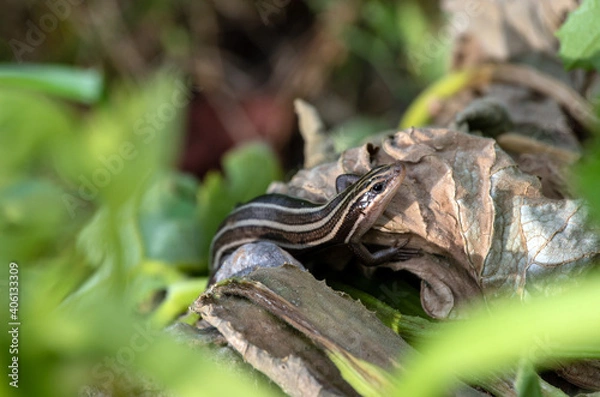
[
  {"x": 179, "y": 297},
  {"x": 411, "y": 328},
  {"x": 248, "y": 170},
  {"x": 543, "y": 329},
  {"x": 127, "y": 141},
  {"x": 80, "y": 287},
  {"x": 579, "y": 37},
  {"x": 61, "y": 81},
  {"x": 354, "y": 131},
  {"x": 426, "y": 49},
  {"x": 112, "y": 237},
  {"x": 528, "y": 382},
  {"x": 101, "y": 345},
  {"x": 31, "y": 125},
  {"x": 418, "y": 112},
  {"x": 367, "y": 379},
  {"x": 586, "y": 174},
  {"x": 167, "y": 221},
  {"x": 124, "y": 241},
  {"x": 111, "y": 243},
  {"x": 34, "y": 222}
]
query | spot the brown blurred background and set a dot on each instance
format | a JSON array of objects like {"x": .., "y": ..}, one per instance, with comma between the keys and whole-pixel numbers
[{"x": 245, "y": 60}]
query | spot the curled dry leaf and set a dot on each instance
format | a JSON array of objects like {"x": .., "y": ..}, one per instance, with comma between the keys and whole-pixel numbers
[
  {"x": 583, "y": 374},
  {"x": 318, "y": 146},
  {"x": 484, "y": 225}
]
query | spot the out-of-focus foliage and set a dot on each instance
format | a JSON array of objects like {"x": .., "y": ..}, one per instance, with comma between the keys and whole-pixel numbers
[
  {"x": 99, "y": 223},
  {"x": 528, "y": 382},
  {"x": 544, "y": 329},
  {"x": 79, "y": 85},
  {"x": 580, "y": 48},
  {"x": 354, "y": 131},
  {"x": 417, "y": 113},
  {"x": 587, "y": 172},
  {"x": 392, "y": 31},
  {"x": 579, "y": 37},
  {"x": 102, "y": 227},
  {"x": 167, "y": 211}
]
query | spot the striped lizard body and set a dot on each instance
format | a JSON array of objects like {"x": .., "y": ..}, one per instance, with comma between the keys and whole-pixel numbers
[{"x": 300, "y": 226}]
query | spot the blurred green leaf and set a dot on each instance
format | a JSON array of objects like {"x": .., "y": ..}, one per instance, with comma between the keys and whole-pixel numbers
[
  {"x": 142, "y": 239},
  {"x": 427, "y": 47},
  {"x": 354, "y": 131},
  {"x": 34, "y": 222},
  {"x": 61, "y": 81},
  {"x": 101, "y": 346},
  {"x": 412, "y": 328},
  {"x": 179, "y": 297},
  {"x": 248, "y": 171},
  {"x": 112, "y": 237},
  {"x": 579, "y": 37},
  {"x": 120, "y": 241},
  {"x": 127, "y": 141},
  {"x": 418, "y": 113},
  {"x": 167, "y": 221},
  {"x": 381, "y": 19},
  {"x": 367, "y": 379},
  {"x": 528, "y": 382},
  {"x": 26, "y": 142},
  {"x": 542, "y": 329},
  {"x": 126, "y": 149},
  {"x": 586, "y": 172},
  {"x": 81, "y": 297},
  {"x": 160, "y": 290}
]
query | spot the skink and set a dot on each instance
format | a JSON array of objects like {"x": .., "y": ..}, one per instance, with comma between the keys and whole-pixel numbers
[{"x": 301, "y": 227}]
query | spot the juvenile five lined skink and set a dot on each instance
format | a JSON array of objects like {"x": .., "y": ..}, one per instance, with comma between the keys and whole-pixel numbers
[{"x": 301, "y": 227}]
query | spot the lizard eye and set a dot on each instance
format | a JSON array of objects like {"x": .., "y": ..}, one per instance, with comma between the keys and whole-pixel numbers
[{"x": 377, "y": 188}]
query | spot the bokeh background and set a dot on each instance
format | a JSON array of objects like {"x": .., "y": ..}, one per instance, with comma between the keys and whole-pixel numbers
[
  {"x": 129, "y": 129},
  {"x": 244, "y": 61}
]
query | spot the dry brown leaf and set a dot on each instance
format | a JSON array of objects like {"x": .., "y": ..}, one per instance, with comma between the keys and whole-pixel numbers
[
  {"x": 485, "y": 225},
  {"x": 585, "y": 374}
]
